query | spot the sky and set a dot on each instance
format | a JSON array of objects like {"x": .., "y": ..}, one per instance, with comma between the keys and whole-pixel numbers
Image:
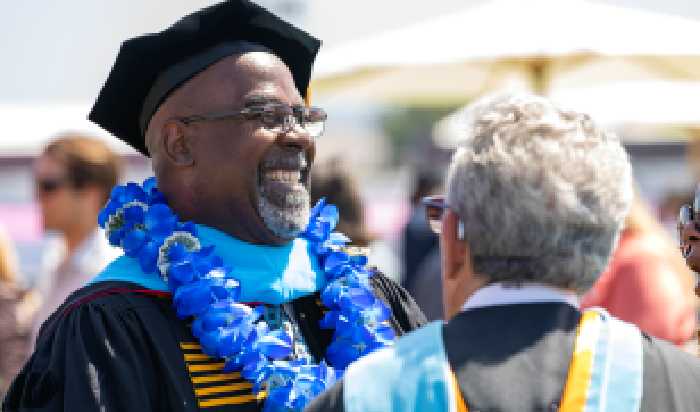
[{"x": 62, "y": 51}]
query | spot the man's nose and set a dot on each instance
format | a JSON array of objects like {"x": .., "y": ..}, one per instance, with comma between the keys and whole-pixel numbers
[{"x": 294, "y": 135}]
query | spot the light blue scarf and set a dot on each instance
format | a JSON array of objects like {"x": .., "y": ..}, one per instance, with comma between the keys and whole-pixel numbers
[{"x": 268, "y": 274}]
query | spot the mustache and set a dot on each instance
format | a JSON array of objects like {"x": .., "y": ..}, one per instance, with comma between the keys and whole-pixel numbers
[{"x": 278, "y": 158}]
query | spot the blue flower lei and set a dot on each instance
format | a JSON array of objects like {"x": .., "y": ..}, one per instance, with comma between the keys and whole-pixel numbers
[{"x": 138, "y": 219}]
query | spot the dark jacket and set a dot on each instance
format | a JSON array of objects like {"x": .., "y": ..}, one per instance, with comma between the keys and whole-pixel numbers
[{"x": 516, "y": 358}]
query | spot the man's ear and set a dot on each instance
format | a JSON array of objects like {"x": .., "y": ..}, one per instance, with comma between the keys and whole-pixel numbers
[
  {"x": 177, "y": 146},
  {"x": 456, "y": 251}
]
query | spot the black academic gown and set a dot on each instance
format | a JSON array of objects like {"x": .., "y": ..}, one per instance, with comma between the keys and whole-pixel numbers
[
  {"x": 113, "y": 346},
  {"x": 515, "y": 358}
]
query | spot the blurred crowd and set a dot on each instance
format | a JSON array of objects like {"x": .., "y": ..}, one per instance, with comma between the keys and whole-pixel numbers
[
  {"x": 532, "y": 250},
  {"x": 647, "y": 281}
]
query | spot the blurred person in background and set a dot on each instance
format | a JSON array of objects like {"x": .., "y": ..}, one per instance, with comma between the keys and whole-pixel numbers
[
  {"x": 668, "y": 207},
  {"x": 421, "y": 255},
  {"x": 536, "y": 199},
  {"x": 332, "y": 182},
  {"x": 425, "y": 286},
  {"x": 73, "y": 179},
  {"x": 689, "y": 233},
  {"x": 647, "y": 283},
  {"x": 17, "y": 310}
]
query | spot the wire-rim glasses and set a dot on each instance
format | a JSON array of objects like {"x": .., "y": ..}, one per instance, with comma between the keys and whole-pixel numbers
[
  {"x": 276, "y": 118},
  {"x": 434, "y": 210}
]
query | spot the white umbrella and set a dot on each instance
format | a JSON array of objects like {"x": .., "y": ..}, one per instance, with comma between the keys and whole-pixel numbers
[
  {"x": 654, "y": 103},
  {"x": 26, "y": 128},
  {"x": 629, "y": 105},
  {"x": 545, "y": 44}
]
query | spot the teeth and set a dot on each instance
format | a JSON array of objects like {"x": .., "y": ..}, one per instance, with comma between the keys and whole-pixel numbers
[{"x": 287, "y": 176}]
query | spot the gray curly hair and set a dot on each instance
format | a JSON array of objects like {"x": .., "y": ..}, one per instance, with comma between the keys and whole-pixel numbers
[{"x": 543, "y": 192}]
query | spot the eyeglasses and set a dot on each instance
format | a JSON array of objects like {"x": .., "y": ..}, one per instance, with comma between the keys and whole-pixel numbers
[
  {"x": 47, "y": 186},
  {"x": 276, "y": 118},
  {"x": 685, "y": 215},
  {"x": 434, "y": 209}
]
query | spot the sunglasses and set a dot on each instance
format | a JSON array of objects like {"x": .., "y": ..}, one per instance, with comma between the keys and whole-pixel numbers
[
  {"x": 686, "y": 214},
  {"x": 434, "y": 210},
  {"x": 50, "y": 185}
]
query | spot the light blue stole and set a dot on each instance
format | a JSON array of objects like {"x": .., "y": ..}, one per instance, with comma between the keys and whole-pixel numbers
[
  {"x": 268, "y": 274},
  {"x": 414, "y": 374}
]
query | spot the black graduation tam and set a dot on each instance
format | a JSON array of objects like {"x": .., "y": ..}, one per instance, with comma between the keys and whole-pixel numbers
[{"x": 149, "y": 67}]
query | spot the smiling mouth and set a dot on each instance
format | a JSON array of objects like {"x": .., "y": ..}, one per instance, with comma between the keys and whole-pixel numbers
[
  {"x": 283, "y": 196},
  {"x": 287, "y": 177},
  {"x": 280, "y": 172}
]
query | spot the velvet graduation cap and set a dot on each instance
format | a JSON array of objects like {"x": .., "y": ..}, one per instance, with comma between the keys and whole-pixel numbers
[{"x": 149, "y": 67}]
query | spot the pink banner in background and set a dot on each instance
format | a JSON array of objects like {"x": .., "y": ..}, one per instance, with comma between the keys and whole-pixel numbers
[{"x": 21, "y": 221}]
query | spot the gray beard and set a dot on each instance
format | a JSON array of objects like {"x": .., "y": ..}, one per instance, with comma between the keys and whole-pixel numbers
[{"x": 288, "y": 220}]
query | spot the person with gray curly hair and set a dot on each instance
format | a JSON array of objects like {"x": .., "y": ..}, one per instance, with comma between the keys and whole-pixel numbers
[
  {"x": 544, "y": 190},
  {"x": 536, "y": 199}
]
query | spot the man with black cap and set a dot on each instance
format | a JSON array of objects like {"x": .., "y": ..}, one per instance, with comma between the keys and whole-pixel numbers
[{"x": 269, "y": 304}]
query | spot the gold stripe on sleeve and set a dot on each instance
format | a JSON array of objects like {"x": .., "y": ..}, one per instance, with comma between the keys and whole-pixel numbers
[
  {"x": 206, "y": 367},
  {"x": 219, "y": 377},
  {"x": 223, "y": 388},
  {"x": 193, "y": 357},
  {"x": 190, "y": 346},
  {"x": 232, "y": 400}
]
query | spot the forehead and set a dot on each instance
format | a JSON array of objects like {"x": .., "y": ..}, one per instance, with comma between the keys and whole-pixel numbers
[
  {"x": 46, "y": 165},
  {"x": 235, "y": 80}
]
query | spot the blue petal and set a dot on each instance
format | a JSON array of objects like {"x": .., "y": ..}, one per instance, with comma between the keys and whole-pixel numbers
[
  {"x": 103, "y": 217},
  {"x": 341, "y": 354},
  {"x": 134, "y": 214},
  {"x": 338, "y": 238},
  {"x": 253, "y": 367},
  {"x": 115, "y": 237},
  {"x": 360, "y": 297},
  {"x": 133, "y": 192},
  {"x": 329, "y": 214},
  {"x": 335, "y": 263},
  {"x": 316, "y": 210},
  {"x": 133, "y": 241},
  {"x": 213, "y": 320},
  {"x": 176, "y": 251},
  {"x": 150, "y": 184},
  {"x": 182, "y": 272},
  {"x": 156, "y": 197},
  {"x": 277, "y": 399},
  {"x": 192, "y": 299},
  {"x": 330, "y": 319},
  {"x": 117, "y": 194},
  {"x": 148, "y": 257},
  {"x": 276, "y": 344},
  {"x": 358, "y": 260},
  {"x": 230, "y": 343},
  {"x": 197, "y": 328},
  {"x": 188, "y": 227},
  {"x": 211, "y": 342},
  {"x": 160, "y": 220}
]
